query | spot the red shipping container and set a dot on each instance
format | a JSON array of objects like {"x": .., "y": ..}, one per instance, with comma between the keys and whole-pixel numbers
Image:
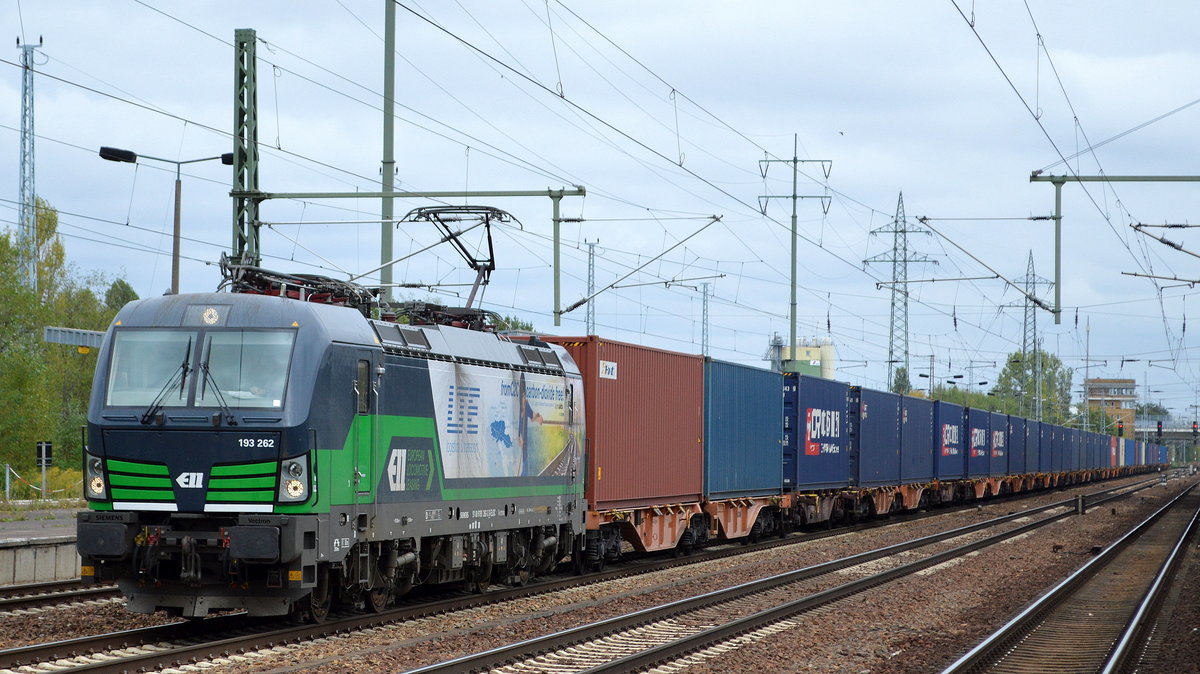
[{"x": 645, "y": 423}]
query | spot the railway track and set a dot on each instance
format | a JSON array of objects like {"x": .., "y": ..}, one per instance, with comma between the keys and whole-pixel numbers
[
  {"x": 1094, "y": 620},
  {"x": 702, "y": 627},
  {"x": 37, "y": 595},
  {"x": 218, "y": 637}
]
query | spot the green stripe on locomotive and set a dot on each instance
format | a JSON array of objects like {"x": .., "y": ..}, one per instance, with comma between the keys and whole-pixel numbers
[{"x": 335, "y": 469}]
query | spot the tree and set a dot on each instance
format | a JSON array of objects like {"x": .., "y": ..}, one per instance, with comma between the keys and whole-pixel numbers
[
  {"x": 45, "y": 387},
  {"x": 900, "y": 382},
  {"x": 1152, "y": 410},
  {"x": 1019, "y": 380},
  {"x": 118, "y": 295},
  {"x": 514, "y": 323}
]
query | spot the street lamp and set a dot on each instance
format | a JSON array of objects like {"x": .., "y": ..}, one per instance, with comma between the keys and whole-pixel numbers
[{"x": 114, "y": 154}]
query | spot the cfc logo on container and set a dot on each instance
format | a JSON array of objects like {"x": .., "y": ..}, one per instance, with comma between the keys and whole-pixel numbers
[
  {"x": 949, "y": 440},
  {"x": 822, "y": 430},
  {"x": 978, "y": 442},
  {"x": 997, "y": 444}
]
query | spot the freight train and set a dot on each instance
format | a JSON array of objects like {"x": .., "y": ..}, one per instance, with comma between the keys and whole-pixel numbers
[{"x": 278, "y": 450}]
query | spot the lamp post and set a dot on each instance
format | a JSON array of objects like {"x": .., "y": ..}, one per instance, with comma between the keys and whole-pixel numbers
[{"x": 114, "y": 154}]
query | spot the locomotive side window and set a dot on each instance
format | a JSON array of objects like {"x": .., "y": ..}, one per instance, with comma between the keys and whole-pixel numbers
[
  {"x": 244, "y": 368},
  {"x": 362, "y": 386},
  {"x": 151, "y": 364}
]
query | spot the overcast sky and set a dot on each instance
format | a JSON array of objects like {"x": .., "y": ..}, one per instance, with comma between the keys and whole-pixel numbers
[{"x": 662, "y": 112}]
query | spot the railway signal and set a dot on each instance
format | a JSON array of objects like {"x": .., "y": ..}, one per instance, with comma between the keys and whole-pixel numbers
[
  {"x": 1120, "y": 428},
  {"x": 1159, "y": 431},
  {"x": 1195, "y": 430}
]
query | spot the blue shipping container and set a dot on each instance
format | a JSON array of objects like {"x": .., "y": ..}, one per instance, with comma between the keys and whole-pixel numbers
[
  {"x": 916, "y": 440},
  {"x": 949, "y": 456},
  {"x": 1058, "y": 449},
  {"x": 1017, "y": 427},
  {"x": 1128, "y": 457},
  {"x": 817, "y": 455},
  {"x": 1033, "y": 446},
  {"x": 1077, "y": 454},
  {"x": 743, "y": 430},
  {"x": 998, "y": 424},
  {"x": 979, "y": 442},
  {"x": 1046, "y": 462},
  {"x": 878, "y": 439}
]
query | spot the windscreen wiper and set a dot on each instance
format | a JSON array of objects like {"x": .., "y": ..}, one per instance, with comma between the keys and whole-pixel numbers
[
  {"x": 180, "y": 376},
  {"x": 229, "y": 418}
]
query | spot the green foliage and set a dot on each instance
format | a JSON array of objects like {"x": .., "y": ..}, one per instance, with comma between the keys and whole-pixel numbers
[
  {"x": 900, "y": 381},
  {"x": 1019, "y": 382},
  {"x": 1152, "y": 410},
  {"x": 1016, "y": 388},
  {"x": 61, "y": 484},
  {"x": 118, "y": 295},
  {"x": 514, "y": 323},
  {"x": 45, "y": 387}
]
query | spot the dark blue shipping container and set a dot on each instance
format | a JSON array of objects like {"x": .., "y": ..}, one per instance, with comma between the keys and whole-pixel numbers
[
  {"x": 1163, "y": 456},
  {"x": 1077, "y": 450},
  {"x": 1017, "y": 427},
  {"x": 1033, "y": 446},
  {"x": 878, "y": 438},
  {"x": 817, "y": 453},
  {"x": 1046, "y": 464},
  {"x": 1128, "y": 457},
  {"x": 978, "y": 443},
  {"x": 1058, "y": 444},
  {"x": 998, "y": 445},
  {"x": 743, "y": 430},
  {"x": 949, "y": 440},
  {"x": 1072, "y": 455},
  {"x": 916, "y": 440}
]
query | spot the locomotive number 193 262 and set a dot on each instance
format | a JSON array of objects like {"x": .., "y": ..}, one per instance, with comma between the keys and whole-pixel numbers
[{"x": 256, "y": 442}]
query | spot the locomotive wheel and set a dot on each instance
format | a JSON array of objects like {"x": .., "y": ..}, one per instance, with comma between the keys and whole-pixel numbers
[
  {"x": 377, "y": 599},
  {"x": 481, "y": 578},
  {"x": 579, "y": 566},
  {"x": 317, "y": 608}
]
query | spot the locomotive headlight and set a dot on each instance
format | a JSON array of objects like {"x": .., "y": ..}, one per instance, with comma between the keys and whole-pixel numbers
[
  {"x": 294, "y": 488},
  {"x": 294, "y": 480},
  {"x": 97, "y": 488}
]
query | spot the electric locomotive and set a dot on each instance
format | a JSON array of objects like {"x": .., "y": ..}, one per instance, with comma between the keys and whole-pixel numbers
[{"x": 256, "y": 452}]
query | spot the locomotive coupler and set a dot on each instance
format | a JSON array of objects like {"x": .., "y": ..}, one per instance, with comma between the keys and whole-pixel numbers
[{"x": 189, "y": 561}]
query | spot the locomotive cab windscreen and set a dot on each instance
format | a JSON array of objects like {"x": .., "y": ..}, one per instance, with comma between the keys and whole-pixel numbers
[{"x": 225, "y": 368}]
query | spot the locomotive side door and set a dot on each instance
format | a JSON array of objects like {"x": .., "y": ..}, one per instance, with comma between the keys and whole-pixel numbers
[{"x": 365, "y": 425}]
